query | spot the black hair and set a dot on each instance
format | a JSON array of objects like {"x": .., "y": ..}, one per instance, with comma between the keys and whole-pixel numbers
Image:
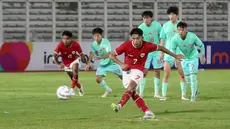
[
  {"x": 173, "y": 9},
  {"x": 67, "y": 33},
  {"x": 136, "y": 31},
  {"x": 97, "y": 30},
  {"x": 182, "y": 25},
  {"x": 147, "y": 13}
]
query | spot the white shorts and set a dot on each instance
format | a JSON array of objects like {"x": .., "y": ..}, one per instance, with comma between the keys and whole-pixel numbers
[
  {"x": 134, "y": 74},
  {"x": 70, "y": 68}
]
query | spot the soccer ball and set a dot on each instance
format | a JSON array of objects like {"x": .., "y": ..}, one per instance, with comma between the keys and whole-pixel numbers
[{"x": 63, "y": 92}]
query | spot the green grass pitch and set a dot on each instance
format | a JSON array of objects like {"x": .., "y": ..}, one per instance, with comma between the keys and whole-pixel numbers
[{"x": 28, "y": 101}]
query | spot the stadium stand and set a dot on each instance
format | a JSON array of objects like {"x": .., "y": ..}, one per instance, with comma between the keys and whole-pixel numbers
[{"x": 92, "y": 15}]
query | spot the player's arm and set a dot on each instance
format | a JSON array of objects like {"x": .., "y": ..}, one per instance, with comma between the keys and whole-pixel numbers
[
  {"x": 88, "y": 66},
  {"x": 165, "y": 50},
  {"x": 162, "y": 41},
  {"x": 113, "y": 56},
  {"x": 115, "y": 53},
  {"x": 108, "y": 50},
  {"x": 174, "y": 48},
  {"x": 91, "y": 55},
  {"x": 55, "y": 60},
  {"x": 83, "y": 59},
  {"x": 82, "y": 56},
  {"x": 106, "y": 55},
  {"x": 55, "y": 57},
  {"x": 200, "y": 44},
  {"x": 174, "y": 45}
]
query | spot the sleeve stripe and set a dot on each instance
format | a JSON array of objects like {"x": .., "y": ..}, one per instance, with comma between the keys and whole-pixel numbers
[
  {"x": 55, "y": 52},
  {"x": 115, "y": 52},
  {"x": 157, "y": 47}
]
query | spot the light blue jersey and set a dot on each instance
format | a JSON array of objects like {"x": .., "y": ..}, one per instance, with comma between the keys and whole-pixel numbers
[
  {"x": 188, "y": 48},
  {"x": 106, "y": 64}
]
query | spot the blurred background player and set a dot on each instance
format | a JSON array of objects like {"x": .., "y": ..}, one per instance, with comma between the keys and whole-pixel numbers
[
  {"x": 101, "y": 49},
  {"x": 187, "y": 42},
  {"x": 136, "y": 52},
  {"x": 70, "y": 51},
  {"x": 168, "y": 30},
  {"x": 151, "y": 32}
]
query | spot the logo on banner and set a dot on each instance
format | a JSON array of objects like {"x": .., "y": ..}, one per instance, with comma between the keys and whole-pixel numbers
[
  {"x": 48, "y": 61},
  {"x": 220, "y": 56},
  {"x": 15, "y": 56},
  {"x": 217, "y": 57}
]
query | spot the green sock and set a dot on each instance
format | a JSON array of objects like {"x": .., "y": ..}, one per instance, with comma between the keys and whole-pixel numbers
[
  {"x": 164, "y": 89},
  {"x": 188, "y": 80},
  {"x": 104, "y": 85},
  {"x": 193, "y": 84},
  {"x": 156, "y": 85},
  {"x": 142, "y": 85},
  {"x": 183, "y": 88}
]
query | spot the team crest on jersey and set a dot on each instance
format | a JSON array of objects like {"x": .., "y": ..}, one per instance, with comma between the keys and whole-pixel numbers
[
  {"x": 73, "y": 52},
  {"x": 155, "y": 32},
  {"x": 142, "y": 55},
  {"x": 102, "y": 49},
  {"x": 174, "y": 30}
]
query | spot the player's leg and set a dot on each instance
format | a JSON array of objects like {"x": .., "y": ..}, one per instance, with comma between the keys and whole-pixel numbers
[
  {"x": 143, "y": 82},
  {"x": 115, "y": 69},
  {"x": 70, "y": 74},
  {"x": 193, "y": 69},
  {"x": 131, "y": 81},
  {"x": 75, "y": 69},
  {"x": 101, "y": 72},
  {"x": 125, "y": 80},
  {"x": 157, "y": 65},
  {"x": 167, "y": 70},
  {"x": 183, "y": 71},
  {"x": 156, "y": 83}
]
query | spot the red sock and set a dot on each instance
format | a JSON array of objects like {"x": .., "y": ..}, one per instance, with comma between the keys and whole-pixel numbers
[
  {"x": 75, "y": 83},
  {"x": 78, "y": 85},
  {"x": 126, "y": 96},
  {"x": 140, "y": 102}
]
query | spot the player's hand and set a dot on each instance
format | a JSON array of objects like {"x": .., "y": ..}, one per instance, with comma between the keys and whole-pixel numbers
[
  {"x": 97, "y": 57},
  {"x": 179, "y": 57},
  {"x": 161, "y": 56},
  {"x": 61, "y": 66},
  {"x": 124, "y": 67},
  {"x": 177, "y": 63},
  {"x": 88, "y": 67},
  {"x": 202, "y": 59}
]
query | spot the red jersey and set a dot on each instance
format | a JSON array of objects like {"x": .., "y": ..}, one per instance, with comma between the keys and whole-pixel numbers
[
  {"x": 135, "y": 58},
  {"x": 68, "y": 54}
]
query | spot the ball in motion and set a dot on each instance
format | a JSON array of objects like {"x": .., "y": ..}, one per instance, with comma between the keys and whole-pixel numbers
[{"x": 63, "y": 92}]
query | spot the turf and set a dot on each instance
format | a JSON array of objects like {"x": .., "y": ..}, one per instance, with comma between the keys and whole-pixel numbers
[{"x": 28, "y": 101}]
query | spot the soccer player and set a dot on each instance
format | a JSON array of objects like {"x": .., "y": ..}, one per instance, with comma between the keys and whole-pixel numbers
[
  {"x": 101, "y": 49},
  {"x": 70, "y": 51},
  {"x": 136, "y": 52},
  {"x": 168, "y": 30},
  {"x": 151, "y": 32},
  {"x": 187, "y": 42}
]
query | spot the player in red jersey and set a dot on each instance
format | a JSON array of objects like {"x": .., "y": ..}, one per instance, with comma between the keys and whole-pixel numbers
[
  {"x": 70, "y": 51},
  {"x": 136, "y": 51}
]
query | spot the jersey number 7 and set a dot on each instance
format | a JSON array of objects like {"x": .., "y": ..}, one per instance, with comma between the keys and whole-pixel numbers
[{"x": 134, "y": 61}]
